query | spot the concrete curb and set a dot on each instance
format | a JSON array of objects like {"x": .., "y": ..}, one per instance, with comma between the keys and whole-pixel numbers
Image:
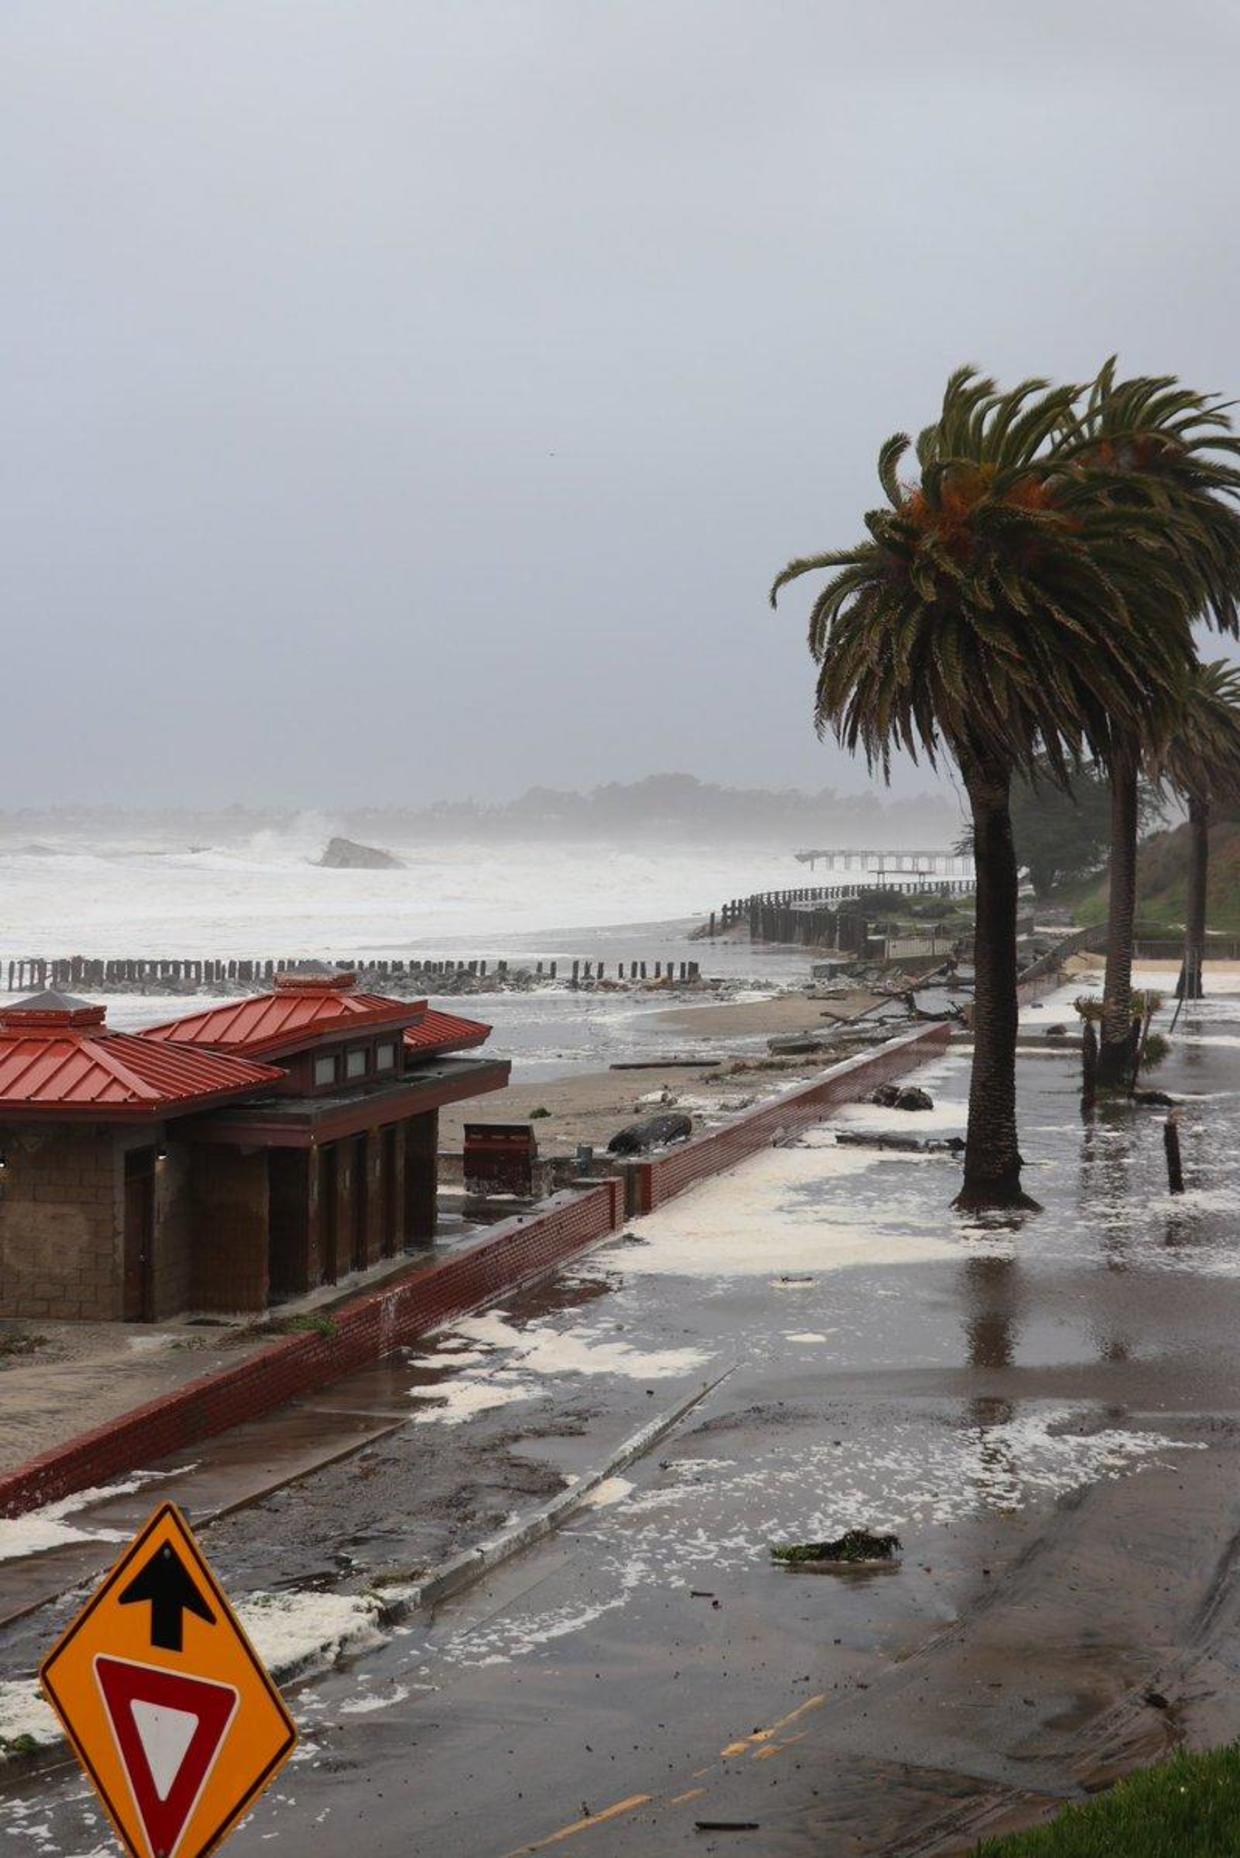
[
  {"x": 461, "y": 1570},
  {"x": 451, "y": 1577}
]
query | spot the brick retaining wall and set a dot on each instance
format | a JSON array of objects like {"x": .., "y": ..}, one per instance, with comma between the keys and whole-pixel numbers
[
  {"x": 660, "y": 1180},
  {"x": 510, "y": 1255}
]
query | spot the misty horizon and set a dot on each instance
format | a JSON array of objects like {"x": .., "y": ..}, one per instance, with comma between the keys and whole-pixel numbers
[{"x": 664, "y": 807}]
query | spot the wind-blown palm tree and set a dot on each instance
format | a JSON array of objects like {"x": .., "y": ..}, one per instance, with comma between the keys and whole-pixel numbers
[
  {"x": 1149, "y": 445},
  {"x": 1202, "y": 762},
  {"x": 989, "y": 614}
]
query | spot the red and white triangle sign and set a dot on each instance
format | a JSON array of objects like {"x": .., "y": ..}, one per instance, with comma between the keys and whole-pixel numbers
[{"x": 169, "y": 1731}]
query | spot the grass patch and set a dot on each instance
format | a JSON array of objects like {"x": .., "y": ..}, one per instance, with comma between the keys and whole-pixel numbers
[
  {"x": 305, "y": 1325},
  {"x": 1188, "y": 1807},
  {"x": 21, "y": 1746}
]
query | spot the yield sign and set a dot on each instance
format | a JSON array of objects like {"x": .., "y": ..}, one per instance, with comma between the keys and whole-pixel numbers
[
  {"x": 165, "y": 1700},
  {"x": 168, "y": 1731}
]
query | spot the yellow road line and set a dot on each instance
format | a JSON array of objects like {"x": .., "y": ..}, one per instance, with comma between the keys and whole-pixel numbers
[
  {"x": 583, "y": 1825},
  {"x": 777, "y": 1748},
  {"x": 694, "y": 1793},
  {"x": 765, "y": 1735}
]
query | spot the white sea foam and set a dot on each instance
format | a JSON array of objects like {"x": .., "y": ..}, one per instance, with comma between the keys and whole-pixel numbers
[
  {"x": 370, "y": 1702},
  {"x": 611, "y": 1490},
  {"x": 298, "y": 1631},
  {"x": 451, "y": 1402},
  {"x": 539, "y": 1348},
  {"x": 778, "y": 1213},
  {"x": 49, "y": 1526},
  {"x": 266, "y": 896}
]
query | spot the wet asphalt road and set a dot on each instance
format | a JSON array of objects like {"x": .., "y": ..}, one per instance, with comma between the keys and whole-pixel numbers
[{"x": 1048, "y": 1416}]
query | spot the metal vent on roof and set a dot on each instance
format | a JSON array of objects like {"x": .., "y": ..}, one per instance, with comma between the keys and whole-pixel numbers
[
  {"x": 312, "y": 977},
  {"x": 52, "y": 1009}
]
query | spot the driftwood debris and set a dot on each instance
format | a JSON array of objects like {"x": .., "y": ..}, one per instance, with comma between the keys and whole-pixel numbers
[
  {"x": 665, "y": 1064},
  {"x": 908, "y": 1144}
]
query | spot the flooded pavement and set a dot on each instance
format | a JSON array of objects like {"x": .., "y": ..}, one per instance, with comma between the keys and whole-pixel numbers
[{"x": 1047, "y": 1414}]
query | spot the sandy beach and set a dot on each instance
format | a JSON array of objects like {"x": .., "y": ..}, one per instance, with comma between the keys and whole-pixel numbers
[{"x": 588, "y": 1107}]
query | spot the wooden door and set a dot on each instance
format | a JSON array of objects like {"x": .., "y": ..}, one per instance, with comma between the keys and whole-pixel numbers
[
  {"x": 329, "y": 1212},
  {"x": 139, "y": 1290},
  {"x": 360, "y": 1196},
  {"x": 387, "y": 1174}
]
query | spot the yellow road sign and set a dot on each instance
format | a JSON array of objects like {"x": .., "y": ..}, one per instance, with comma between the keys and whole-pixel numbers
[{"x": 165, "y": 1700}]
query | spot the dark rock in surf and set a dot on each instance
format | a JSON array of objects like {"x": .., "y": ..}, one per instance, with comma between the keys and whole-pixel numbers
[{"x": 347, "y": 855}]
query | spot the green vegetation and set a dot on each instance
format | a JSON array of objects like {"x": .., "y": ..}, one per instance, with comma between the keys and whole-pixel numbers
[
  {"x": 1188, "y": 1807},
  {"x": 1063, "y": 832},
  {"x": 306, "y": 1325},
  {"x": 19, "y": 1746},
  {"x": 1162, "y": 883}
]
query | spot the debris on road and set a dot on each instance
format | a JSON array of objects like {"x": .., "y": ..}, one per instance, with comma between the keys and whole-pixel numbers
[
  {"x": 855, "y": 1545},
  {"x": 653, "y": 1132}
]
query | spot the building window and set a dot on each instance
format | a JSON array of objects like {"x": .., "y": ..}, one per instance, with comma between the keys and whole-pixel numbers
[
  {"x": 385, "y": 1056},
  {"x": 325, "y": 1069},
  {"x": 355, "y": 1062}
]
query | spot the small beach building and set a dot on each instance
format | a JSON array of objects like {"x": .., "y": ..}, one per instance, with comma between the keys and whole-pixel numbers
[{"x": 222, "y": 1161}]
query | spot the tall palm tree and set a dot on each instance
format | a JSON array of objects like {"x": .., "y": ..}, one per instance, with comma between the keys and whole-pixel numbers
[
  {"x": 1150, "y": 445},
  {"x": 1202, "y": 762},
  {"x": 988, "y": 614}
]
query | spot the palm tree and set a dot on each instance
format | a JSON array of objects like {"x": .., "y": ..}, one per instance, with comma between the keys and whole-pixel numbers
[
  {"x": 1150, "y": 445},
  {"x": 988, "y": 614},
  {"x": 1202, "y": 762}
]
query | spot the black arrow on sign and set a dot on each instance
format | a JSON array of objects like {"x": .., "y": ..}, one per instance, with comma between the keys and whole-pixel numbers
[{"x": 171, "y": 1592}]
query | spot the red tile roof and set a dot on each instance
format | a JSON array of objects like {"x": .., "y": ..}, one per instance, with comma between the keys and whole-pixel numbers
[
  {"x": 301, "y": 1011},
  {"x": 57, "y": 1054},
  {"x": 444, "y": 1032}
]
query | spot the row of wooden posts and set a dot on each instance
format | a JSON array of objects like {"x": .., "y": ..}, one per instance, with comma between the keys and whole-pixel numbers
[{"x": 36, "y": 971}]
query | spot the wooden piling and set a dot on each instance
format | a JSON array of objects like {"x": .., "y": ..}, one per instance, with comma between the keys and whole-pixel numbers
[
  {"x": 1171, "y": 1147},
  {"x": 1089, "y": 1065}
]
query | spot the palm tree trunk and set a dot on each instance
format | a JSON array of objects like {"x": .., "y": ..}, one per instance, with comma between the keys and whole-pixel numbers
[
  {"x": 992, "y": 1158},
  {"x": 1195, "y": 912},
  {"x": 1115, "y": 1050}
]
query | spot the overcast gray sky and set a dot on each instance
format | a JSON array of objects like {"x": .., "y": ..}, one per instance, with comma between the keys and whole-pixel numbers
[{"x": 411, "y": 398}]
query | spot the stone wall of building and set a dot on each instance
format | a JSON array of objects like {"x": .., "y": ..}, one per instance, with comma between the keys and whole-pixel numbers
[
  {"x": 229, "y": 1273},
  {"x": 61, "y": 1215}
]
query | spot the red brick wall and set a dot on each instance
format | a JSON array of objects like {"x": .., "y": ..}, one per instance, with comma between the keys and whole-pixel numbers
[
  {"x": 661, "y": 1179},
  {"x": 509, "y": 1255}
]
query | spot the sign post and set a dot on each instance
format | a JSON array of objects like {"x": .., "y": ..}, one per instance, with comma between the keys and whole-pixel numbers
[{"x": 165, "y": 1701}]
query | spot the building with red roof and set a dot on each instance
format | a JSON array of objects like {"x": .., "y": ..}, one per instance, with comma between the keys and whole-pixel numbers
[{"x": 224, "y": 1160}]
